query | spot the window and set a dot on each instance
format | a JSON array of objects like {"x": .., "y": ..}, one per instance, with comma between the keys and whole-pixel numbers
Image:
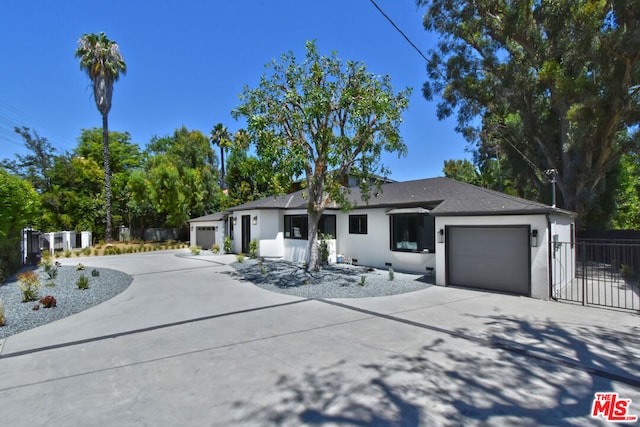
[
  {"x": 412, "y": 233},
  {"x": 357, "y": 224},
  {"x": 327, "y": 225},
  {"x": 296, "y": 227}
]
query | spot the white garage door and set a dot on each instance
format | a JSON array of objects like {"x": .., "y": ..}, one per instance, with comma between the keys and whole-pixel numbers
[
  {"x": 495, "y": 258},
  {"x": 205, "y": 237}
]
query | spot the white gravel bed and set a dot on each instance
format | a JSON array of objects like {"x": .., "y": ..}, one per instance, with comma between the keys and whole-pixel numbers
[
  {"x": 333, "y": 281},
  {"x": 20, "y": 316}
]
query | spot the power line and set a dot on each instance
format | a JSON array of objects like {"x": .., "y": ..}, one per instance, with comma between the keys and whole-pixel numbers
[{"x": 399, "y": 30}]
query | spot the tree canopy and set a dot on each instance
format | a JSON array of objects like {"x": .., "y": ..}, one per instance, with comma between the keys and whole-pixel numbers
[
  {"x": 541, "y": 84},
  {"x": 322, "y": 119}
]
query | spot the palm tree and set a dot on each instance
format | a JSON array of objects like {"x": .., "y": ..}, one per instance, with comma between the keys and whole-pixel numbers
[
  {"x": 221, "y": 137},
  {"x": 100, "y": 58}
]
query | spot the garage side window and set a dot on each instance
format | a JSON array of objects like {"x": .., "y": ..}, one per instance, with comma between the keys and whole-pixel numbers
[
  {"x": 296, "y": 227},
  {"x": 412, "y": 233},
  {"x": 357, "y": 224}
]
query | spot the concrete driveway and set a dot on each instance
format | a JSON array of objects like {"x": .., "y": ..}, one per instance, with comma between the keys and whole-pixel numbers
[{"x": 188, "y": 345}]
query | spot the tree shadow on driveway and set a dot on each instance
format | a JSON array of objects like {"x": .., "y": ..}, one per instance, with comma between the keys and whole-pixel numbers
[{"x": 518, "y": 373}]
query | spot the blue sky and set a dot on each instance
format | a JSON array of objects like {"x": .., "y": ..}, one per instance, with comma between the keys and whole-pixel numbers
[{"x": 189, "y": 60}]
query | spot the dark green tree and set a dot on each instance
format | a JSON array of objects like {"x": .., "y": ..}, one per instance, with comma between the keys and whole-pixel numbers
[
  {"x": 100, "y": 58},
  {"x": 551, "y": 84},
  {"x": 35, "y": 165},
  {"x": 179, "y": 180},
  {"x": 321, "y": 120},
  {"x": 19, "y": 208}
]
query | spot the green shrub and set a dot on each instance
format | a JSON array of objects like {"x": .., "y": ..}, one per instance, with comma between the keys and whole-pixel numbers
[
  {"x": 82, "y": 282},
  {"x": 240, "y": 258},
  {"x": 227, "y": 245},
  {"x": 29, "y": 283},
  {"x": 195, "y": 250},
  {"x": 362, "y": 280},
  {"x": 253, "y": 249},
  {"x": 49, "y": 267},
  {"x": 79, "y": 267},
  {"x": 215, "y": 248},
  {"x": 67, "y": 253},
  {"x": 391, "y": 275},
  {"x": 95, "y": 273}
]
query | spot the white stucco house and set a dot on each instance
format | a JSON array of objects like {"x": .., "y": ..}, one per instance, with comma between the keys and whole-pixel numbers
[{"x": 463, "y": 234}]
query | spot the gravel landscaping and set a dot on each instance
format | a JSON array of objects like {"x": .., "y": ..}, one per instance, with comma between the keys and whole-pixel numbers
[
  {"x": 333, "y": 281},
  {"x": 20, "y": 316}
]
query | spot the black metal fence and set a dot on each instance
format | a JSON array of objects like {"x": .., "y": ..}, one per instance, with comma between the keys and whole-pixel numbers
[{"x": 599, "y": 272}]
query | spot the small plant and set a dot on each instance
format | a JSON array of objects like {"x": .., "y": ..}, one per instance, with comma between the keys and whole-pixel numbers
[
  {"x": 362, "y": 280},
  {"x": 79, "y": 267},
  {"x": 49, "y": 267},
  {"x": 263, "y": 269},
  {"x": 323, "y": 248},
  {"x": 195, "y": 250},
  {"x": 67, "y": 253},
  {"x": 240, "y": 258},
  {"x": 391, "y": 275},
  {"x": 95, "y": 273},
  {"x": 29, "y": 283},
  {"x": 50, "y": 285},
  {"x": 48, "y": 302},
  {"x": 227, "y": 245},
  {"x": 253, "y": 249},
  {"x": 215, "y": 248},
  {"x": 82, "y": 282},
  {"x": 2, "y": 320}
]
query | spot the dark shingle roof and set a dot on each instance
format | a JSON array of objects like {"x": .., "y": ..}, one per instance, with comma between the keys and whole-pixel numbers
[
  {"x": 218, "y": 216},
  {"x": 443, "y": 196}
]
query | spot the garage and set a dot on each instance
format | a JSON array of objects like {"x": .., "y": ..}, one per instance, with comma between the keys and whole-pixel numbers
[
  {"x": 489, "y": 257},
  {"x": 205, "y": 236}
]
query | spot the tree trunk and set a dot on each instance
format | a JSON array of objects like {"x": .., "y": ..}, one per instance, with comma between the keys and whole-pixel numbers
[
  {"x": 314, "y": 258},
  {"x": 107, "y": 179},
  {"x": 222, "y": 183}
]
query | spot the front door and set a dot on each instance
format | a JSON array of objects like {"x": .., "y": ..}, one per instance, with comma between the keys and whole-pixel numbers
[{"x": 246, "y": 233}]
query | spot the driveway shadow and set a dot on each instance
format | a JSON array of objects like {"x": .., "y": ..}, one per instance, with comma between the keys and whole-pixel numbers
[{"x": 514, "y": 375}]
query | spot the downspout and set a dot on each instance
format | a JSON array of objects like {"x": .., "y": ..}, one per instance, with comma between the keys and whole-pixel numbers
[{"x": 549, "y": 255}]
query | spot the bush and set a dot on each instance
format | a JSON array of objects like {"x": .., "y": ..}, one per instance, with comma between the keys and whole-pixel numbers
[
  {"x": 195, "y": 250},
  {"x": 79, "y": 267},
  {"x": 215, "y": 248},
  {"x": 240, "y": 258},
  {"x": 29, "y": 283},
  {"x": 95, "y": 273},
  {"x": 48, "y": 302},
  {"x": 227, "y": 245},
  {"x": 67, "y": 253},
  {"x": 83, "y": 282},
  {"x": 253, "y": 249}
]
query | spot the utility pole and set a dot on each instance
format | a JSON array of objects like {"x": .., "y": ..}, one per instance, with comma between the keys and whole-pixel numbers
[{"x": 552, "y": 174}]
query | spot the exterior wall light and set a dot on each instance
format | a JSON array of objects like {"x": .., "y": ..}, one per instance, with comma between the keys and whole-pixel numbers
[
  {"x": 235, "y": 220},
  {"x": 441, "y": 236},
  {"x": 534, "y": 238},
  {"x": 255, "y": 220}
]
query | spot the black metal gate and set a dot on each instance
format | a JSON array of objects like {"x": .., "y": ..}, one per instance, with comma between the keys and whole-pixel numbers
[{"x": 597, "y": 272}]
